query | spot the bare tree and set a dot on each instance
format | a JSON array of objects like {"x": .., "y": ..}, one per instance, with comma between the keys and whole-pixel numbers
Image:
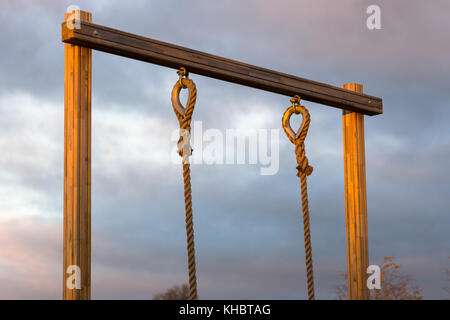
[
  {"x": 395, "y": 285},
  {"x": 180, "y": 292}
]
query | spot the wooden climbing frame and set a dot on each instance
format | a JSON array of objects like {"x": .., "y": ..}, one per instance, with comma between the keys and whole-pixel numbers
[{"x": 81, "y": 37}]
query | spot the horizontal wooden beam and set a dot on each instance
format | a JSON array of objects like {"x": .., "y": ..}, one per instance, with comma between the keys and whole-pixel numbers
[{"x": 165, "y": 54}]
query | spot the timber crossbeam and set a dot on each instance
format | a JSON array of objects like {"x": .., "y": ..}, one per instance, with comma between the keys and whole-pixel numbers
[{"x": 168, "y": 55}]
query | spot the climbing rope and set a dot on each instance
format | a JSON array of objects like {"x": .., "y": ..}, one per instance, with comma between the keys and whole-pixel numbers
[
  {"x": 303, "y": 170},
  {"x": 184, "y": 116}
]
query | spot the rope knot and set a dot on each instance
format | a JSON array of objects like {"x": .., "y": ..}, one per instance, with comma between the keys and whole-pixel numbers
[
  {"x": 184, "y": 143},
  {"x": 303, "y": 166}
]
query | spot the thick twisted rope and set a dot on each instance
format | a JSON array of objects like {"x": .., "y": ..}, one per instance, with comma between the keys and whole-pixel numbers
[
  {"x": 303, "y": 170},
  {"x": 184, "y": 117}
]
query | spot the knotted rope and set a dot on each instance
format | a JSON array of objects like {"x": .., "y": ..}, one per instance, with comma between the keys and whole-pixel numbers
[
  {"x": 303, "y": 170},
  {"x": 184, "y": 116}
]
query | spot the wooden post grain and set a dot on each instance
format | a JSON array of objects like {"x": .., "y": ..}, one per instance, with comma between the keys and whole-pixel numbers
[
  {"x": 355, "y": 200},
  {"x": 77, "y": 169}
]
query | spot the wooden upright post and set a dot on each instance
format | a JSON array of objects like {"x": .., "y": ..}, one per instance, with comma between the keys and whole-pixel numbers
[
  {"x": 77, "y": 167},
  {"x": 355, "y": 201}
]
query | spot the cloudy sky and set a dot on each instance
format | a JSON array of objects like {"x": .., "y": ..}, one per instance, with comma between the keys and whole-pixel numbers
[{"x": 249, "y": 237}]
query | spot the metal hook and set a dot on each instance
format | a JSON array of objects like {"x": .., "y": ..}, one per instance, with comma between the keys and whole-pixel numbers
[
  {"x": 295, "y": 102},
  {"x": 182, "y": 73}
]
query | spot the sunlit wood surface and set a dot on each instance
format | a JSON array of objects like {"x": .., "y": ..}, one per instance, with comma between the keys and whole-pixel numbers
[
  {"x": 355, "y": 201},
  {"x": 77, "y": 166}
]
